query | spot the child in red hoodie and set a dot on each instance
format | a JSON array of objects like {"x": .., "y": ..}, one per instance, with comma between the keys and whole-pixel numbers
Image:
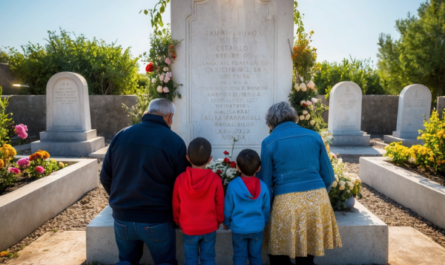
[{"x": 198, "y": 204}]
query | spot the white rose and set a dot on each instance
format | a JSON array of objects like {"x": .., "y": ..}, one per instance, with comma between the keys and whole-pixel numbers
[
  {"x": 154, "y": 80},
  {"x": 312, "y": 122},
  {"x": 297, "y": 87},
  {"x": 350, "y": 185},
  {"x": 302, "y": 118},
  {"x": 165, "y": 69},
  {"x": 348, "y": 191},
  {"x": 159, "y": 89},
  {"x": 161, "y": 77},
  {"x": 308, "y": 117},
  {"x": 305, "y": 112},
  {"x": 334, "y": 184},
  {"x": 342, "y": 183},
  {"x": 314, "y": 100},
  {"x": 303, "y": 87},
  {"x": 341, "y": 187},
  {"x": 311, "y": 85}
]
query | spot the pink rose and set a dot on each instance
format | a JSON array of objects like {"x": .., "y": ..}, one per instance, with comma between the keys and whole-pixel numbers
[
  {"x": 13, "y": 170},
  {"x": 308, "y": 102},
  {"x": 314, "y": 100},
  {"x": 167, "y": 61},
  {"x": 21, "y": 130},
  {"x": 23, "y": 163},
  {"x": 40, "y": 169},
  {"x": 168, "y": 76},
  {"x": 166, "y": 90},
  {"x": 161, "y": 77},
  {"x": 159, "y": 89}
]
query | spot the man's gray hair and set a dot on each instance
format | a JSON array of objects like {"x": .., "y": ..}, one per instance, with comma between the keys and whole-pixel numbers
[
  {"x": 162, "y": 107},
  {"x": 281, "y": 112}
]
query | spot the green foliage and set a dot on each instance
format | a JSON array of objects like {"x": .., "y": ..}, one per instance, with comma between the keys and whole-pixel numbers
[
  {"x": 4, "y": 58},
  {"x": 5, "y": 120},
  {"x": 357, "y": 71},
  {"x": 109, "y": 69},
  {"x": 156, "y": 16},
  {"x": 136, "y": 111},
  {"x": 418, "y": 56}
]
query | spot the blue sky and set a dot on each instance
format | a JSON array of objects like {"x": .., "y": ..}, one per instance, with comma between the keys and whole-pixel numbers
[{"x": 342, "y": 28}]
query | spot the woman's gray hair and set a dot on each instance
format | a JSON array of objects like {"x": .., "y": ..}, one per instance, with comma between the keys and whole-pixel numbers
[
  {"x": 162, "y": 107},
  {"x": 281, "y": 112}
]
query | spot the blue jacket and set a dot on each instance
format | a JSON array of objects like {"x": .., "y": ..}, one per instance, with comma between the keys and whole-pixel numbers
[
  {"x": 243, "y": 214},
  {"x": 140, "y": 169},
  {"x": 294, "y": 159}
]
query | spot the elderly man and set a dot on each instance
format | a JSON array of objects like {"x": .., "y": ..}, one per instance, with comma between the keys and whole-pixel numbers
[{"x": 139, "y": 173}]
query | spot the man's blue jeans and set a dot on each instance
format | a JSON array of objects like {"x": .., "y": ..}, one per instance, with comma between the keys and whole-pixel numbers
[
  {"x": 200, "y": 246},
  {"x": 160, "y": 240},
  {"x": 247, "y": 247}
]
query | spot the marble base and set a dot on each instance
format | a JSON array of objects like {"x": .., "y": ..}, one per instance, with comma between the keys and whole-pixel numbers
[
  {"x": 409, "y": 135},
  {"x": 405, "y": 142},
  {"x": 364, "y": 237},
  {"x": 56, "y": 136},
  {"x": 407, "y": 188},
  {"x": 362, "y": 139},
  {"x": 61, "y": 148}
]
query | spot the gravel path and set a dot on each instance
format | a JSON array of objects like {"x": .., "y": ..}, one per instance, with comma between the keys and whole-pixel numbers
[{"x": 77, "y": 216}]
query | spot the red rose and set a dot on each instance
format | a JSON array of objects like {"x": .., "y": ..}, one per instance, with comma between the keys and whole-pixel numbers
[
  {"x": 174, "y": 56},
  {"x": 171, "y": 46},
  {"x": 227, "y": 160},
  {"x": 226, "y": 153},
  {"x": 304, "y": 105},
  {"x": 233, "y": 164},
  {"x": 218, "y": 172},
  {"x": 149, "y": 68}
]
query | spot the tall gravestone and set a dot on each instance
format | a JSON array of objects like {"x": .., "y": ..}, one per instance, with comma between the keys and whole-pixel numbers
[
  {"x": 345, "y": 115},
  {"x": 68, "y": 122},
  {"x": 414, "y": 106},
  {"x": 234, "y": 62}
]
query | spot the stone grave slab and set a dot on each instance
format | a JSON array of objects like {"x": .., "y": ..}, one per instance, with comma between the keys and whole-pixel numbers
[
  {"x": 68, "y": 121},
  {"x": 234, "y": 62},
  {"x": 414, "y": 107},
  {"x": 364, "y": 237},
  {"x": 345, "y": 115}
]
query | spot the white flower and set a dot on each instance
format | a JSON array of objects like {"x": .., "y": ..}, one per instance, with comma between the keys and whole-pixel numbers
[
  {"x": 219, "y": 160},
  {"x": 301, "y": 78},
  {"x": 161, "y": 77},
  {"x": 166, "y": 90},
  {"x": 308, "y": 117},
  {"x": 302, "y": 118},
  {"x": 311, "y": 85},
  {"x": 297, "y": 87},
  {"x": 159, "y": 89},
  {"x": 342, "y": 183},
  {"x": 312, "y": 122},
  {"x": 303, "y": 87},
  {"x": 309, "y": 103},
  {"x": 154, "y": 80},
  {"x": 350, "y": 185},
  {"x": 305, "y": 112},
  {"x": 334, "y": 184},
  {"x": 302, "y": 102},
  {"x": 348, "y": 191},
  {"x": 165, "y": 69},
  {"x": 314, "y": 100},
  {"x": 341, "y": 187}
]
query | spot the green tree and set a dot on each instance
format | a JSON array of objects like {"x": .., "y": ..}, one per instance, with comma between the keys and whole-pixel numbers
[
  {"x": 4, "y": 58},
  {"x": 360, "y": 72},
  {"x": 419, "y": 55},
  {"x": 108, "y": 68}
]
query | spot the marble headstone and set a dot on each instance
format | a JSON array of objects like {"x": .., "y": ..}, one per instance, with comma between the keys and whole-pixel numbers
[
  {"x": 68, "y": 121},
  {"x": 414, "y": 106},
  {"x": 234, "y": 62},
  {"x": 345, "y": 115}
]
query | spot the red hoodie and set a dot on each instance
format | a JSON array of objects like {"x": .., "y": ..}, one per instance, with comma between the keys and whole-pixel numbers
[{"x": 198, "y": 201}]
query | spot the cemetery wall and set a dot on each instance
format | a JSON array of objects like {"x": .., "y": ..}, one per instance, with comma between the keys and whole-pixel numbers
[
  {"x": 107, "y": 115},
  {"x": 379, "y": 113}
]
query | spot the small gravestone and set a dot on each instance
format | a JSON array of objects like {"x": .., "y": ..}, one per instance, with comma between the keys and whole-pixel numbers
[
  {"x": 345, "y": 115},
  {"x": 68, "y": 122},
  {"x": 234, "y": 62},
  {"x": 414, "y": 107}
]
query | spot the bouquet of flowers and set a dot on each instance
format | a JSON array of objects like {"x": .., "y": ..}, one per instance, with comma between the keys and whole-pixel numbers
[
  {"x": 345, "y": 186},
  {"x": 225, "y": 168}
]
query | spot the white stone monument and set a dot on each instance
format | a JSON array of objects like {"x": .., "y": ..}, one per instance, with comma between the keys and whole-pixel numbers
[
  {"x": 68, "y": 122},
  {"x": 234, "y": 62},
  {"x": 414, "y": 107},
  {"x": 345, "y": 115}
]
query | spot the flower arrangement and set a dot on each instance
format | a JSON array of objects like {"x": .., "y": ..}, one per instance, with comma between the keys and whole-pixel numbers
[
  {"x": 345, "y": 186},
  {"x": 304, "y": 95},
  {"x": 161, "y": 57},
  {"x": 225, "y": 168},
  {"x": 430, "y": 156}
]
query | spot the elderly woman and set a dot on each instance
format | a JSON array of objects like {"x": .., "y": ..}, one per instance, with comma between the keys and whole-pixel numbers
[{"x": 296, "y": 168}]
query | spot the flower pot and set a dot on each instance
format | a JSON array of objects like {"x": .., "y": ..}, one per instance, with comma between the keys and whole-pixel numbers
[{"x": 350, "y": 203}]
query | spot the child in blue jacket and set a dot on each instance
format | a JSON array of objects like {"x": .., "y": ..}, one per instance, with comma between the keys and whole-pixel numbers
[{"x": 247, "y": 210}]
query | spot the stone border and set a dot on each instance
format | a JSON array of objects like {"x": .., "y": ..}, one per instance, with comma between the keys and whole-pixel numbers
[
  {"x": 423, "y": 196},
  {"x": 25, "y": 209},
  {"x": 364, "y": 236}
]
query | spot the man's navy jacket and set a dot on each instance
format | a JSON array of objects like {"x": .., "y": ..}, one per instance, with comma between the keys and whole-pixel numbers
[{"x": 140, "y": 169}]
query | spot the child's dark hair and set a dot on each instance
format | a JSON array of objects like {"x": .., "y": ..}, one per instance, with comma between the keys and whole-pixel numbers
[
  {"x": 248, "y": 162},
  {"x": 199, "y": 151}
]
